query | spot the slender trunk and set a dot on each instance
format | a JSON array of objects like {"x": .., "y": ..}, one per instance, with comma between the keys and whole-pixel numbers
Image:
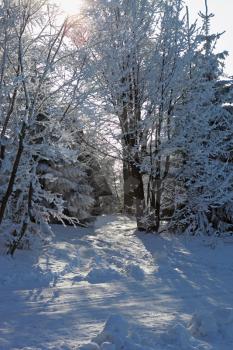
[
  {"x": 6, "y": 121},
  {"x": 139, "y": 195},
  {"x": 158, "y": 190},
  {"x": 10, "y": 187},
  {"x": 128, "y": 194},
  {"x": 27, "y": 218}
]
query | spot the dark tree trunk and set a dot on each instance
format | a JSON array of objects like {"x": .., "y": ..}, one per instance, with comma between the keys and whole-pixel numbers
[
  {"x": 138, "y": 195},
  {"x": 11, "y": 182},
  {"x": 27, "y": 219},
  {"x": 128, "y": 193}
]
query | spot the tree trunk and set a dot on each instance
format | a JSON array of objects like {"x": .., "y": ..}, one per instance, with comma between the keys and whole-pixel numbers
[
  {"x": 128, "y": 193},
  {"x": 138, "y": 195},
  {"x": 27, "y": 219},
  {"x": 11, "y": 182}
]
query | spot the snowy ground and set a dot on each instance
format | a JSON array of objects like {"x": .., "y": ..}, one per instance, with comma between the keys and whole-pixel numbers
[{"x": 157, "y": 293}]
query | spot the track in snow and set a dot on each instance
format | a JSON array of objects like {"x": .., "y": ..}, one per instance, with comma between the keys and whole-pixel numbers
[{"x": 72, "y": 311}]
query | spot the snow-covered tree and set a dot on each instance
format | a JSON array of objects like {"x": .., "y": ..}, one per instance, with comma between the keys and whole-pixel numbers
[
  {"x": 40, "y": 89},
  {"x": 169, "y": 67},
  {"x": 204, "y": 129},
  {"x": 121, "y": 48},
  {"x": 159, "y": 76}
]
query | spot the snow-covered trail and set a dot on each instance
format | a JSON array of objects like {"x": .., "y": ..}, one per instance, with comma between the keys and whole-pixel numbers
[{"x": 85, "y": 275}]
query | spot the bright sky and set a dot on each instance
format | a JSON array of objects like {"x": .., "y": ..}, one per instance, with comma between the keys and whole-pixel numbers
[
  {"x": 222, "y": 21},
  {"x": 70, "y": 7}
]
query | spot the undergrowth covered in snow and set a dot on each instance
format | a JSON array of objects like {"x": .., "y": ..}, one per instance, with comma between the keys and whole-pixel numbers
[{"x": 203, "y": 328}]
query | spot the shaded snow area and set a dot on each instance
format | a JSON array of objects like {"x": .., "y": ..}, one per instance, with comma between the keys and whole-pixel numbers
[{"x": 110, "y": 288}]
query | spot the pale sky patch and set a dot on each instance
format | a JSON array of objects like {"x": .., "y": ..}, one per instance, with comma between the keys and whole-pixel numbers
[
  {"x": 222, "y": 9},
  {"x": 70, "y": 7}
]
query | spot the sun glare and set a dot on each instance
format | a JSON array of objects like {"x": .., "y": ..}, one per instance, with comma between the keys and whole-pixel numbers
[{"x": 70, "y": 7}]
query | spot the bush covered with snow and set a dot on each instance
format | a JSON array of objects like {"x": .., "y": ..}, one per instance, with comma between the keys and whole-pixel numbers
[
  {"x": 116, "y": 335},
  {"x": 179, "y": 337},
  {"x": 102, "y": 275},
  {"x": 115, "y": 332},
  {"x": 90, "y": 346},
  {"x": 212, "y": 324},
  {"x": 135, "y": 271}
]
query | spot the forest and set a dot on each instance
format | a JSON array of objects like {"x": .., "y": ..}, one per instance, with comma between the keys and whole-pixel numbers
[
  {"x": 129, "y": 92},
  {"x": 123, "y": 113}
]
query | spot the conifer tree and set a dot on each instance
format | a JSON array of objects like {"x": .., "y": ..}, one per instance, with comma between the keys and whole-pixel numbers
[{"x": 204, "y": 130}]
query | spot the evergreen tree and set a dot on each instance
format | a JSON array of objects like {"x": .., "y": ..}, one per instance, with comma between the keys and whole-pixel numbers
[{"x": 204, "y": 142}]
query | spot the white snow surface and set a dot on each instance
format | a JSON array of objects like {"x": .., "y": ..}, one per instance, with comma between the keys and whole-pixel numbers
[{"x": 109, "y": 287}]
